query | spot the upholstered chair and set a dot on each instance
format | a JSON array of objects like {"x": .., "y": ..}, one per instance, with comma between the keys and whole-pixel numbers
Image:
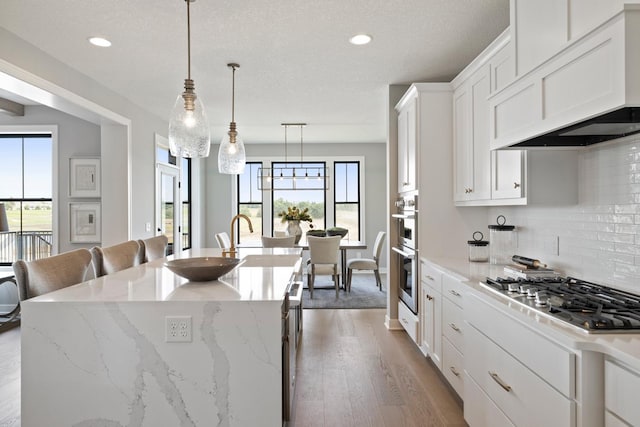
[
  {"x": 45, "y": 275},
  {"x": 278, "y": 242},
  {"x": 223, "y": 240},
  {"x": 324, "y": 256},
  {"x": 115, "y": 258},
  {"x": 153, "y": 248},
  {"x": 367, "y": 263}
]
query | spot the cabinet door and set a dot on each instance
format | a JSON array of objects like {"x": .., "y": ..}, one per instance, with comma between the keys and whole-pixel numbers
[
  {"x": 407, "y": 146},
  {"x": 507, "y": 177},
  {"x": 432, "y": 324},
  {"x": 463, "y": 150},
  {"x": 480, "y": 89}
]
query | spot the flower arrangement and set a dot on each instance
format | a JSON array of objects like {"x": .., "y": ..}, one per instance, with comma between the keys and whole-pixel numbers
[{"x": 294, "y": 214}]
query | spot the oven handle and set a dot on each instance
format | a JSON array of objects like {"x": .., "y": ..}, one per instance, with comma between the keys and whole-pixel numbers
[{"x": 403, "y": 253}]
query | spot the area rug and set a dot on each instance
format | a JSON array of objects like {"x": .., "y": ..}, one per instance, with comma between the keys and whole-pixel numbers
[{"x": 364, "y": 293}]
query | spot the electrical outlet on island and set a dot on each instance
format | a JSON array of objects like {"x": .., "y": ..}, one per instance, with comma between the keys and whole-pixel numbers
[{"x": 178, "y": 329}]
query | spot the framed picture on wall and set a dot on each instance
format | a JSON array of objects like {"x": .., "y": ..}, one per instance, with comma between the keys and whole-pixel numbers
[
  {"x": 85, "y": 222},
  {"x": 84, "y": 177}
]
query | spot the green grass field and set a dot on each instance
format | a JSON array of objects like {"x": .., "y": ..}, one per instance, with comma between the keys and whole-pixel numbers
[{"x": 32, "y": 220}]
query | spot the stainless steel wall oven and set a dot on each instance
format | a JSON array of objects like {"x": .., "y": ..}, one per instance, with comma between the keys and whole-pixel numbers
[{"x": 406, "y": 250}]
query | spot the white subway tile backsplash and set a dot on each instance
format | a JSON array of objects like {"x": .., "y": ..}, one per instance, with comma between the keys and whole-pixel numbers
[{"x": 599, "y": 238}]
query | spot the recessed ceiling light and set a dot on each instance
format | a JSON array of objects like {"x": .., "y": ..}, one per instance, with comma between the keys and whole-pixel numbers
[
  {"x": 359, "y": 39},
  {"x": 99, "y": 41}
]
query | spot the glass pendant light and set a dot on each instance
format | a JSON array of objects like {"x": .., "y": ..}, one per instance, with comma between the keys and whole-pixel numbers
[
  {"x": 188, "y": 127},
  {"x": 231, "y": 155}
]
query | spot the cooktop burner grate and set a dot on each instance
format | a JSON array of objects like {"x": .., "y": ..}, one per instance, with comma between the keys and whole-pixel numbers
[{"x": 588, "y": 306}]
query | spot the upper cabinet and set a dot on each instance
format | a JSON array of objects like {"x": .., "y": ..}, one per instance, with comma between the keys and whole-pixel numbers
[
  {"x": 420, "y": 129},
  {"x": 407, "y": 110}
]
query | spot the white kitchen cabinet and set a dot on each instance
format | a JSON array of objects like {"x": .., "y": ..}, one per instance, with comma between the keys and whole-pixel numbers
[
  {"x": 541, "y": 28},
  {"x": 407, "y": 142},
  {"x": 507, "y": 174},
  {"x": 515, "y": 379},
  {"x": 621, "y": 385},
  {"x": 431, "y": 313},
  {"x": 471, "y": 138},
  {"x": 453, "y": 326},
  {"x": 409, "y": 321},
  {"x": 420, "y": 128}
]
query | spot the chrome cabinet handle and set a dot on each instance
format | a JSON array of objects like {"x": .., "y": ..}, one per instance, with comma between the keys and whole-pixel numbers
[
  {"x": 454, "y": 327},
  {"x": 454, "y": 371},
  {"x": 405, "y": 183},
  {"x": 454, "y": 293},
  {"x": 499, "y": 380},
  {"x": 430, "y": 278},
  {"x": 405, "y": 321},
  {"x": 516, "y": 185}
]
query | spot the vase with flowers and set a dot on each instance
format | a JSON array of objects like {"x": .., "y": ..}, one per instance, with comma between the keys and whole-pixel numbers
[{"x": 293, "y": 215}]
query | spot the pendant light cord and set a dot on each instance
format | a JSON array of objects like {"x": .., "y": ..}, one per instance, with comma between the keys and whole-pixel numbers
[
  {"x": 188, "y": 40},
  {"x": 285, "y": 143},
  {"x": 233, "y": 95},
  {"x": 301, "y": 152}
]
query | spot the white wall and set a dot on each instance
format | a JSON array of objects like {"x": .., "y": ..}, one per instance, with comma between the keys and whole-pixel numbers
[
  {"x": 76, "y": 138},
  {"x": 19, "y": 57},
  {"x": 220, "y": 199},
  {"x": 599, "y": 238}
]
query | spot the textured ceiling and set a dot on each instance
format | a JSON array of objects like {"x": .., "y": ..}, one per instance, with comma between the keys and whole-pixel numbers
[{"x": 296, "y": 64}]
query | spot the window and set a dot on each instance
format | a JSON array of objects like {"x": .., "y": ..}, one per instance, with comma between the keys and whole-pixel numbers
[
  {"x": 26, "y": 191},
  {"x": 185, "y": 198},
  {"x": 347, "y": 197},
  {"x": 339, "y": 205},
  {"x": 250, "y": 203},
  {"x": 310, "y": 194}
]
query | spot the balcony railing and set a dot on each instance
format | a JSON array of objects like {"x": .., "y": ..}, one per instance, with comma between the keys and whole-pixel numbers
[{"x": 26, "y": 245}]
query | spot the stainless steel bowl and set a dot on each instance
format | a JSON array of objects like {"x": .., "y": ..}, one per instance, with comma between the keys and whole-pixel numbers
[{"x": 202, "y": 269}]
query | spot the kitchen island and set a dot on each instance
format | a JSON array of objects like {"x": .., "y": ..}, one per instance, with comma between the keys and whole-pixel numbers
[{"x": 97, "y": 353}]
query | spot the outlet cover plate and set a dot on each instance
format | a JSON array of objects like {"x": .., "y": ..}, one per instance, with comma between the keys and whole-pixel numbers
[{"x": 178, "y": 329}]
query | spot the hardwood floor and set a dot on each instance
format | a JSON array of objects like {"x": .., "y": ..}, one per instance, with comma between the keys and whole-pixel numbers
[{"x": 352, "y": 371}]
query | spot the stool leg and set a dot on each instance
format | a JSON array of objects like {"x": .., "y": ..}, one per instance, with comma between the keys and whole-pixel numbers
[
  {"x": 349, "y": 273},
  {"x": 378, "y": 281}
]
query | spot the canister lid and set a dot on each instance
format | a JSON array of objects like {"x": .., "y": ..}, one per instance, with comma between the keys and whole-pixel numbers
[
  {"x": 500, "y": 226},
  {"x": 477, "y": 240}
]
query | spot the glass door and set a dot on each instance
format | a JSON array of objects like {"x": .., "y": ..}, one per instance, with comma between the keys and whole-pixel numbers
[{"x": 167, "y": 206}]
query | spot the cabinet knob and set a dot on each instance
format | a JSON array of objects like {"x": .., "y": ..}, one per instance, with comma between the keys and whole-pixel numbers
[
  {"x": 471, "y": 190},
  {"x": 516, "y": 185},
  {"x": 405, "y": 183},
  {"x": 429, "y": 297}
]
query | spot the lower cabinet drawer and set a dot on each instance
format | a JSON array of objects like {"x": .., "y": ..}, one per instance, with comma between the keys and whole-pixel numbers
[
  {"x": 453, "y": 366},
  {"x": 522, "y": 395},
  {"x": 408, "y": 320},
  {"x": 453, "y": 323},
  {"x": 621, "y": 387},
  {"x": 479, "y": 410}
]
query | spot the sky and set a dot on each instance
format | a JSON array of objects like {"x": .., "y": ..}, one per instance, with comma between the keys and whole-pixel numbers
[{"x": 37, "y": 171}]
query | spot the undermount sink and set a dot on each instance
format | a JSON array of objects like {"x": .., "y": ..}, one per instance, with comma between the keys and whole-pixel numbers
[{"x": 270, "y": 260}]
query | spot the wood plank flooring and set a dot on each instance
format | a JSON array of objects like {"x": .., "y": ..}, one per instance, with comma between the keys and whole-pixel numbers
[{"x": 352, "y": 371}]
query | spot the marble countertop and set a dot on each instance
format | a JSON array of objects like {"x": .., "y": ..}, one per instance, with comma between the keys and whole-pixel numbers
[
  {"x": 622, "y": 346},
  {"x": 152, "y": 282}
]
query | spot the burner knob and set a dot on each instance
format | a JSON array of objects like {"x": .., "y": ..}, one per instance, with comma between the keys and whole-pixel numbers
[
  {"x": 523, "y": 289},
  {"x": 513, "y": 288},
  {"x": 542, "y": 298},
  {"x": 531, "y": 292}
]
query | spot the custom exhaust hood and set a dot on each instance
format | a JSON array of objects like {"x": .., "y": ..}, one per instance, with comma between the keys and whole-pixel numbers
[
  {"x": 587, "y": 93},
  {"x": 613, "y": 125}
]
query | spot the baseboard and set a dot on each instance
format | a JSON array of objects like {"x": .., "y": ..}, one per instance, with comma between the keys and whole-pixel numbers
[{"x": 392, "y": 324}]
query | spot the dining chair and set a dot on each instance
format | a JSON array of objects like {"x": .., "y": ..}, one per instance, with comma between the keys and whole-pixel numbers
[
  {"x": 223, "y": 240},
  {"x": 367, "y": 263},
  {"x": 153, "y": 248},
  {"x": 324, "y": 255},
  {"x": 115, "y": 258},
  {"x": 278, "y": 242},
  {"x": 45, "y": 275}
]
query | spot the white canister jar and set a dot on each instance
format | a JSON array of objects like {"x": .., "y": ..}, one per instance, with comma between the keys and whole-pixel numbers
[{"x": 503, "y": 241}]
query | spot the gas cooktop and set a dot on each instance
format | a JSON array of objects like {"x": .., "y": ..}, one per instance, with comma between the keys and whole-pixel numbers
[{"x": 587, "y": 306}]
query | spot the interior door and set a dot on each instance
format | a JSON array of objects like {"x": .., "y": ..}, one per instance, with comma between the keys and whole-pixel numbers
[{"x": 168, "y": 206}]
